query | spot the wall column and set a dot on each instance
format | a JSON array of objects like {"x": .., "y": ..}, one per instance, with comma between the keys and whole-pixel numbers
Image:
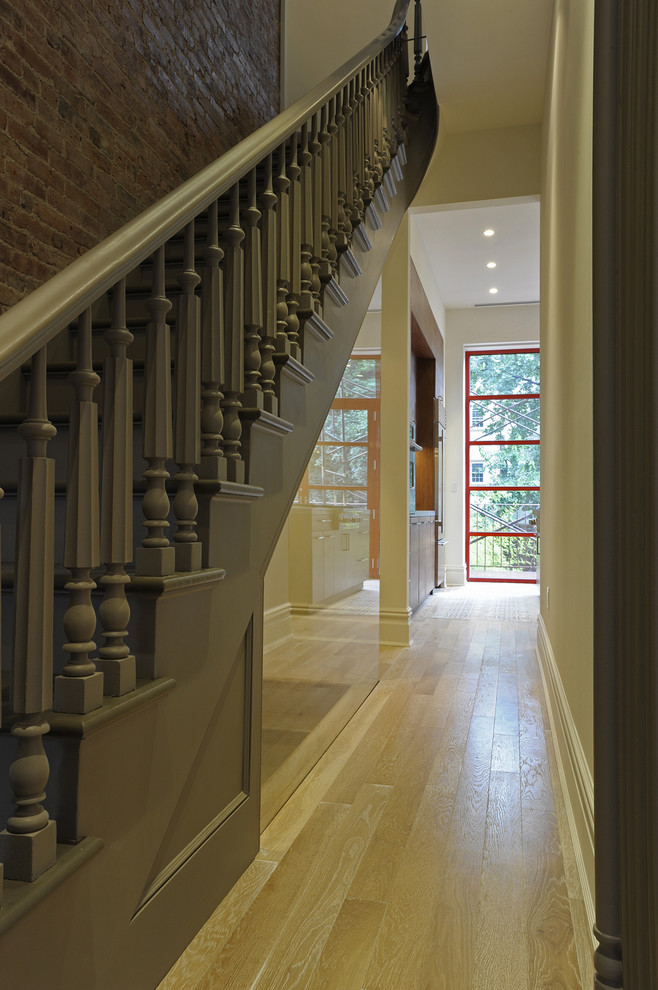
[{"x": 395, "y": 615}]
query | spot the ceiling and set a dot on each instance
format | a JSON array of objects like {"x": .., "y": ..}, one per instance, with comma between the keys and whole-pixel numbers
[{"x": 457, "y": 252}]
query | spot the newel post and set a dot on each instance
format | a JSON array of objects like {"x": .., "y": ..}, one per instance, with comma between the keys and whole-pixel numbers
[{"x": 28, "y": 844}]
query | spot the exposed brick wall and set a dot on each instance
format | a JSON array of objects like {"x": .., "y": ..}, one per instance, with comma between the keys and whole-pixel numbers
[{"x": 106, "y": 105}]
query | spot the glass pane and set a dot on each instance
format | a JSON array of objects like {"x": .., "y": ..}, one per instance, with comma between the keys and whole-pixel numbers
[
  {"x": 336, "y": 464},
  {"x": 337, "y": 496},
  {"x": 360, "y": 379},
  {"x": 503, "y": 373},
  {"x": 511, "y": 512},
  {"x": 506, "y": 465},
  {"x": 504, "y": 419},
  {"x": 503, "y": 557},
  {"x": 346, "y": 425}
]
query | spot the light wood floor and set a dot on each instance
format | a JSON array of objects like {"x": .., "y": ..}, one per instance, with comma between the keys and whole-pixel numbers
[{"x": 427, "y": 849}]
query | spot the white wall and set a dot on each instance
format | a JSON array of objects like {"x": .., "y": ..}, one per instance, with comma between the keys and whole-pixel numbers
[{"x": 467, "y": 328}]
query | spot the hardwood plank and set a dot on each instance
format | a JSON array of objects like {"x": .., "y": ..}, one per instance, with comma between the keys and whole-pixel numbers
[
  {"x": 401, "y": 944},
  {"x": 505, "y": 752},
  {"x": 305, "y": 929},
  {"x": 202, "y": 950},
  {"x": 553, "y": 960},
  {"x": 358, "y": 767},
  {"x": 500, "y": 957},
  {"x": 345, "y": 958},
  {"x": 242, "y": 956},
  {"x": 449, "y": 957},
  {"x": 281, "y": 783},
  {"x": 283, "y": 830},
  {"x": 380, "y": 863}
]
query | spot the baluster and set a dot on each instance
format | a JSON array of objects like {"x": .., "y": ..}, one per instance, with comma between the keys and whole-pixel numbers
[
  {"x": 253, "y": 300},
  {"x": 115, "y": 660},
  {"x": 233, "y": 338},
  {"x": 338, "y": 146},
  {"x": 281, "y": 185},
  {"x": 294, "y": 198},
  {"x": 371, "y": 167},
  {"x": 366, "y": 187},
  {"x": 328, "y": 249},
  {"x": 306, "y": 303},
  {"x": 357, "y": 201},
  {"x": 345, "y": 155},
  {"x": 79, "y": 688},
  {"x": 418, "y": 36},
  {"x": 376, "y": 123},
  {"x": 187, "y": 438},
  {"x": 269, "y": 293},
  {"x": 28, "y": 844},
  {"x": 213, "y": 462},
  {"x": 315, "y": 148},
  {"x": 332, "y": 127},
  {"x": 156, "y": 556}
]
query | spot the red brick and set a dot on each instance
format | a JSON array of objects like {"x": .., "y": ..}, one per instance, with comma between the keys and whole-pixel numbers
[{"x": 140, "y": 113}]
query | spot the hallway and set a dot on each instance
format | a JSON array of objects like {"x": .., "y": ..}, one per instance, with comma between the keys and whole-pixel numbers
[{"x": 427, "y": 848}]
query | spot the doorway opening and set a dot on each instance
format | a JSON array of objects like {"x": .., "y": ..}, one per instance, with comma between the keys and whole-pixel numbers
[{"x": 502, "y": 464}]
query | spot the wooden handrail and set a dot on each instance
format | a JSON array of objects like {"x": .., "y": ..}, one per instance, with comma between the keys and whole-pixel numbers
[{"x": 39, "y": 317}]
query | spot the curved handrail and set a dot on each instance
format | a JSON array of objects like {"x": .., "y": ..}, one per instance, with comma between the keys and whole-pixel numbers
[{"x": 35, "y": 320}]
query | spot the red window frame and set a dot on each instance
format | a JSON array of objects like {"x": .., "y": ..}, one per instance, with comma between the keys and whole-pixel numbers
[{"x": 469, "y": 487}]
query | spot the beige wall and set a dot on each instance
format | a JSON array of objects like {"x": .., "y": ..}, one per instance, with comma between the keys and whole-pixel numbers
[
  {"x": 482, "y": 165},
  {"x": 566, "y": 336},
  {"x": 471, "y": 328},
  {"x": 304, "y": 62}
]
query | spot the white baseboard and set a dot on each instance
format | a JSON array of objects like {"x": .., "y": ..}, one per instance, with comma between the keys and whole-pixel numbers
[
  {"x": 277, "y": 626},
  {"x": 455, "y": 575},
  {"x": 575, "y": 776},
  {"x": 395, "y": 627}
]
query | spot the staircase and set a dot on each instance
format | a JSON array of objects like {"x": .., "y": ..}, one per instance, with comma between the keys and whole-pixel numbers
[{"x": 161, "y": 398}]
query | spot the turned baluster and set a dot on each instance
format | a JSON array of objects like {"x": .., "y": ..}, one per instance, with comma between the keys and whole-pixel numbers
[
  {"x": 115, "y": 660},
  {"x": 253, "y": 300},
  {"x": 315, "y": 148},
  {"x": 268, "y": 202},
  {"x": 334, "y": 226},
  {"x": 281, "y": 186},
  {"x": 233, "y": 338},
  {"x": 370, "y": 167},
  {"x": 344, "y": 156},
  {"x": 379, "y": 117},
  {"x": 306, "y": 304},
  {"x": 328, "y": 249},
  {"x": 338, "y": 146},
  {"x": 156, "y": 557},
  {"x": 366, "y": 186},
  {"x": 418, "y": 39},
  {"x": 79, "y": 688},
  {"x": 28, "y": 844},
  {"x": 187, "y": 433},
  {"x": 213, "y": 462},
  {"x": 295, "y": 199},
  {"x": 355, "y": 106}
]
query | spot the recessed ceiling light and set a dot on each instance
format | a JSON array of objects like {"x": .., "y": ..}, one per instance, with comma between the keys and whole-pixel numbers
[
  {"x": 491, "y": 264},
  {"x": 493, "y": 291},
  {"x": 488, "y": 232}
]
